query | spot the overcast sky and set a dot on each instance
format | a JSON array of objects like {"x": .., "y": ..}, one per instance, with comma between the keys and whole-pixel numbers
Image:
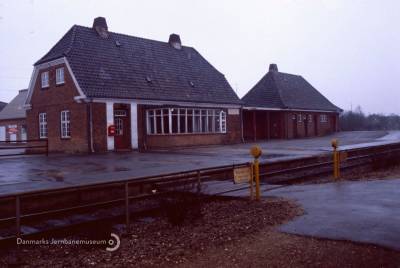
[{"x": 348, "y": 50}]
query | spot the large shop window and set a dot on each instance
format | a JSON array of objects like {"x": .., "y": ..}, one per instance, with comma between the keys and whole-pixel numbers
[{"x": 183, "y": 120}]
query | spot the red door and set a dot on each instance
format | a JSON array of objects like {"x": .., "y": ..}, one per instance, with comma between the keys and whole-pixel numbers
[
  {"x": 306, "y": 125},
  {"x": 316, "y": 125},
  {"x": 294, "y": 119},
  {"x": 122, "y": 130}
]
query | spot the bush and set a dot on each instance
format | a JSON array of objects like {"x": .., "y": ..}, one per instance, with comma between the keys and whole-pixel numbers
[
  {"x": 179, "y": 207},
  {"x": 357, "y": 120}
]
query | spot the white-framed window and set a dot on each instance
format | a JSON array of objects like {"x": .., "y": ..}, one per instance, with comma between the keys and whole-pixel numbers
[
  {"x": 299, "y": 118},
  {"x": 42, "y": 125},
  {"x": 65, "y": 124},
  {"x": 323, "y": 118},
  {"x": 60, "y": 76},
  {"x": 45, "y": 79},
  {"x": 310, "y": 118},
  {"x": 185, "y": 120},
  {"x": 222, "y": 121}
]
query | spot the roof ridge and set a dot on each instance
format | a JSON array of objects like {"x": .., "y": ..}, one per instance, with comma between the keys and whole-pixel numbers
[
  {"x": 72, "y": 40},
  {"x": 278, "y": 89},
  {"x": 134, "y": 36},
  {"x": 53, "y": 47}
]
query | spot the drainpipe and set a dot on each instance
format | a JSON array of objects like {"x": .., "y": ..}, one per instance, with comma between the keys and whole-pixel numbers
[
  {"x": 241, "y": 123},
  {"x": 90, "y": 123}
]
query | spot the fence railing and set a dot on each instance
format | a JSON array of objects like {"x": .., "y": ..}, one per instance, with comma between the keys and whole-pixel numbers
[
  {"x": 116, "y": 192},
  {"x": 24, "y": 147}
]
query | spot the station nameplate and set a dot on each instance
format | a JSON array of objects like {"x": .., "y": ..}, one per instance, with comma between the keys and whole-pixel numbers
[
  {"x": 242, "y": 174},
  {"x": 233, "y": 111}
]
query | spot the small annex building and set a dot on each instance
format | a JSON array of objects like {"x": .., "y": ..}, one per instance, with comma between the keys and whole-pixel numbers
[
  {"x": 2, "y": 105},
  {"x": 13, "y": 119},
  {"x": 96, "y": 91},
  {"x": 285, "y": 106}
]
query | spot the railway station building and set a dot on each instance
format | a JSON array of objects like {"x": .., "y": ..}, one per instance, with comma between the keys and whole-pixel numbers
[
  {"x": 286, "y": 106},
  {"x": 96, "y": 91}
]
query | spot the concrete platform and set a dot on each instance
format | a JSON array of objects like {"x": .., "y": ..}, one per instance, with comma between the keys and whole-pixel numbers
[
  {"x": 359, "y": 211},
  {"x": 21, "y": 174}
]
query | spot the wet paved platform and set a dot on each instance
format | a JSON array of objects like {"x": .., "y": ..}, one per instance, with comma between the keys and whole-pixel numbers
[
  {"x": 358, "y": 211},
  {"x": 21, "y": 174}
]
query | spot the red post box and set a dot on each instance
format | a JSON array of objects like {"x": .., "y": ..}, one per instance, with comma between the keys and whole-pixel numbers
[{"x": 111, "y": 130}]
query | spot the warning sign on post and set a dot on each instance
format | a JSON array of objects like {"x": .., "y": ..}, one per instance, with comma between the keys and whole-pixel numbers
[{"x": 242, "y": 174}]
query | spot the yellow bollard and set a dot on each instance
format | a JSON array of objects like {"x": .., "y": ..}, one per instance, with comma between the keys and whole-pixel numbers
[
  {"x": 251, "y": 181},
  {"x": 336, "y": 159},
  {"x": 256, "y": 153}
]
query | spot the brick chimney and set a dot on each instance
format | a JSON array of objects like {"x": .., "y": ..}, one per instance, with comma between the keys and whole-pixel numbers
[
  {"x": 100, "y": 25},
  {"x": 175, "y": 41},
  {"x": 273, "y": 67}
]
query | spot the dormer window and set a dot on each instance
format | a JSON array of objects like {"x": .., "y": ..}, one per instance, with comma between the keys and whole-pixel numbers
[
  {"x": 45, "y": 79},
  {"x": 60, "y": 76}
]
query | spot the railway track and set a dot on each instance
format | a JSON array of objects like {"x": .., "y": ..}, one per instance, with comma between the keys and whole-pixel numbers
[{"x": 52, "y": 210}]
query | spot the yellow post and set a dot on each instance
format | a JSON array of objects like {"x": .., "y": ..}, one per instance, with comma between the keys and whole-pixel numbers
[
  {"x": 256, "y": 153},
  {"x": 336, "y": 159},
  {"x": 251, "y": 182}
]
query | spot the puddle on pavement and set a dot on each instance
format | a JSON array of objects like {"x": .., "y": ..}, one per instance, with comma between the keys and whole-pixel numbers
[
  {"x": 50, "y": 174},
  {"x": 117, "y": 169}
]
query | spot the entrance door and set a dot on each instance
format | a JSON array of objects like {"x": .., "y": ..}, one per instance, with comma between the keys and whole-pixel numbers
[
  {"x": 122, "y": 130},
  {"x": 275, "y": 125},
  {"x": 294, "y": 119},
  {"x": 12, "y": 132},
  {"x": 13, "y": 137},
  {"x": 23, "y": 134},
  {"x": 2, "y": 133},
  {"x": 306, "y": 125},
  {"x": 316, "y": 125}
]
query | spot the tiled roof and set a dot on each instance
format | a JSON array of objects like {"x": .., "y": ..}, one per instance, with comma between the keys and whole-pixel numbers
[
  {"x": 122, "y": 66},
  {"x": 15, "y": 109},
  {"x": 2, "y": 105},
  {"x": 287, "y": 91}
]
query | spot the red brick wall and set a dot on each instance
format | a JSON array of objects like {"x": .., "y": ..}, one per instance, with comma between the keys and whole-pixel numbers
[
  {"x": 323, "y": 128},
  {"x": 18, "y": 122},
  {"x": 233, "y": 134},
  {"x": 53, "y": 100},
  {"x": 99, "y": 127},
  {"x": 282, "y": 125}
]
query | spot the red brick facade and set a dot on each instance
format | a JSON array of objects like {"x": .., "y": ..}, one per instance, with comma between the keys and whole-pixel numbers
[
  {"x": 56, "y": 98},
  {"x": 265, "y": 125},
  {"x": 99, "y": 127},
  {"x": 88, "y": 122},
  {"x": 52, "y": 100},
  {"x": 310, "y": 124}
]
